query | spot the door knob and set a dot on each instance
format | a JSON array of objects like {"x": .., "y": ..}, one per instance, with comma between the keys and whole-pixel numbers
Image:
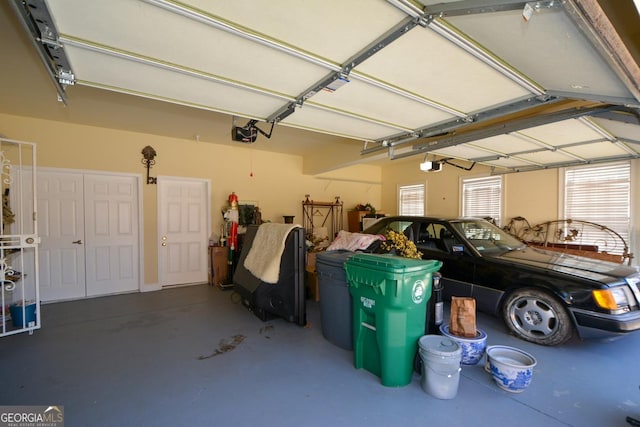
[
  {"x": 164, "y": 243},
  {"x": 77, "y": 242}
]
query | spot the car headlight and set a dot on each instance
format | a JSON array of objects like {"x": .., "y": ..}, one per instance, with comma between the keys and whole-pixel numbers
[{"x": 613, "y": 298}]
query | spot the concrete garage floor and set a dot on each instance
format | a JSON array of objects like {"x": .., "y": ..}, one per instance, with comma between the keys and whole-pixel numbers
[{"x": 193, "y": 356}]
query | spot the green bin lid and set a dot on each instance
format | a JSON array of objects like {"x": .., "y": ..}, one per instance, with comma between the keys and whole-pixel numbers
[{"x": 392, "y": 263}]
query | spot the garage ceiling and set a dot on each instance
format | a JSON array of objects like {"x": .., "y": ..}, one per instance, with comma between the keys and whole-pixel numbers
[{"x": 511, "y": 84}]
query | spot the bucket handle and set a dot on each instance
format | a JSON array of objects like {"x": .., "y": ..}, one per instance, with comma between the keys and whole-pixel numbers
[{"x": 448, "y": 374}]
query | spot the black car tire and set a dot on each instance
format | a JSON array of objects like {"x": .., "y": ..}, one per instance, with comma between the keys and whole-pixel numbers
[{"x": 536, "y": 316}]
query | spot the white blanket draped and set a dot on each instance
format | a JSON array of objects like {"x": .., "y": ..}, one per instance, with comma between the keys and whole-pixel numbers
[{"x": 263, "y": 259}]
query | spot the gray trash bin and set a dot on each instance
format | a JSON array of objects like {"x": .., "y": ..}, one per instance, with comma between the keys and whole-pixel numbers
[{"x": 335, "y": 300}]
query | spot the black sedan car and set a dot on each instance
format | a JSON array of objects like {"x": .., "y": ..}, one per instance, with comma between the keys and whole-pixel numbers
[{"x": 543, "y": 296}]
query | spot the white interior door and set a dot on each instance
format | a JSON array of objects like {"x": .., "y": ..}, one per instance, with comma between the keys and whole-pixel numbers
[
  {"x": 183, "y": 228},
  {"x": 89, "y": 234},
  {"x": 111, "y": 234},
  {"x": 61, "y": 227}
]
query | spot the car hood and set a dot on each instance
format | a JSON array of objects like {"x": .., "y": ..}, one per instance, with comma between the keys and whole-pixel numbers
[{"x": 588, "y": 268}]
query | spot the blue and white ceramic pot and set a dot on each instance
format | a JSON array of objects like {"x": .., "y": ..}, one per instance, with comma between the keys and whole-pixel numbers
[
  {"x": 510, "y": 367},
  {"x": 472, "y": 348}
]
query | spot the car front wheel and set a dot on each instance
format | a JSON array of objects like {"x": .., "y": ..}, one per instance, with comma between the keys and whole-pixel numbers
[{"x": 536, "y": 316}]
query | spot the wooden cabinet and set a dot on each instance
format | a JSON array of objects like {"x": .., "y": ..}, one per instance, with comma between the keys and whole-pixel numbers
[
  {"x": 218, "y": 265},
  {"x": 355, "y": 220}
]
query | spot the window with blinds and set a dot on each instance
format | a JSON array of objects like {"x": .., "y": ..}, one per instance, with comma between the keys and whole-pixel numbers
[
  {"x": 600, "y": 194},
  {"x": 411, "y": 200},
  {"x": 482, "y": 197}
]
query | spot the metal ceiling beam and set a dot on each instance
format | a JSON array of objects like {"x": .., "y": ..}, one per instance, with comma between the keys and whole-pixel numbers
[
  {"x": 474, "y": 7},
  {"x": 451, "y": 126},
  {"x": 512, "y": 126},
  {"x": 623, "y": 115},
  {"x": 543, "y": 147},
  {"x": 622, "y": 143},
  {"x": 618, "y": 100},
  {"x": 561, "y": 165},
  {"x": 548, "y": 147},
  {"x": 36, "y": 20},
  {"x": 345, "y": 69}
]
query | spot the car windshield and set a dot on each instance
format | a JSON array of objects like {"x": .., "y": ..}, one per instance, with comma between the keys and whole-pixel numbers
[{"x": 486, "y": 237}]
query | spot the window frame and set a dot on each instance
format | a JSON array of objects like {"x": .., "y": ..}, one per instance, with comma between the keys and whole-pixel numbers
[
  {"x": 627, "y": 234},
  {"x": 500, "y": 199},
  {"x": 423, "y": 185}
]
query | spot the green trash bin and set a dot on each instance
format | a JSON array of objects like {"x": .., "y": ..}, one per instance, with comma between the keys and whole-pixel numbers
[{"x": 389, "y": 295}]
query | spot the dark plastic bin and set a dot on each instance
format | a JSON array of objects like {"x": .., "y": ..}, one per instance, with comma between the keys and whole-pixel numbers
[
  {"x": 390, "y": 296},
  {"x": 335, "y": 299}
]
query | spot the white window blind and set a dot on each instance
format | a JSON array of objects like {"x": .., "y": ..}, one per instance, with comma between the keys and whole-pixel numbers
[
  {"x": 600, "y": 194},
  {"x": 482, "y": 197},
  {"x": 411, "y": 200}
]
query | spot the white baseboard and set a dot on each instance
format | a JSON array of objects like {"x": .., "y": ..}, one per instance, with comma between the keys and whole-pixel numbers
[{"x": 149, "y": 287}]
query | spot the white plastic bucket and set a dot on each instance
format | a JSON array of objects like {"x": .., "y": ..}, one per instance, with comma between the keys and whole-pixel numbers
[{"x": 440, "y": 366}]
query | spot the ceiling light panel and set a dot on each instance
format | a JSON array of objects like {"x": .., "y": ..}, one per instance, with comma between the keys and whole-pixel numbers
[
  {"x": 549, "y": 48},
  {"x": 435, "y": 68}
]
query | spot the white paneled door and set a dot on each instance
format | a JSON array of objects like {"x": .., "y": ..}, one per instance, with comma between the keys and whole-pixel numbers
[
  {"x": 61, "y": 222},
  {"x": 111, "y": 234},
  {"x": 89, "y": 234},
  {"x": 183, "y": 224}
]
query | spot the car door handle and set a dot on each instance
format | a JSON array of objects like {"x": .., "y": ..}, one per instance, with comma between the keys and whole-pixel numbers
[{"x": 77, "y": 242}]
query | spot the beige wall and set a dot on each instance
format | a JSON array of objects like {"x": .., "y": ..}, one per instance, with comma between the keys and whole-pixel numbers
[
  {"x": 442, "y": 187},
  {"x": 533, "y": 195},
  {"x": 278, "y": 183}
]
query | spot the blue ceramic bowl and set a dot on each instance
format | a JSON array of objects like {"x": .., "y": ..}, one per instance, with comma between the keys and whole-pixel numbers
[
  {"x": 472, "y": 348},
  {"x": 510, "y": 367}
]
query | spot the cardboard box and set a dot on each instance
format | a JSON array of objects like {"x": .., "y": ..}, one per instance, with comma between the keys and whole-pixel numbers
[
  {"x": 312, "y": 285},
  {"x": 218, "y": 265},
  {"x": 311, "y": 261}
]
